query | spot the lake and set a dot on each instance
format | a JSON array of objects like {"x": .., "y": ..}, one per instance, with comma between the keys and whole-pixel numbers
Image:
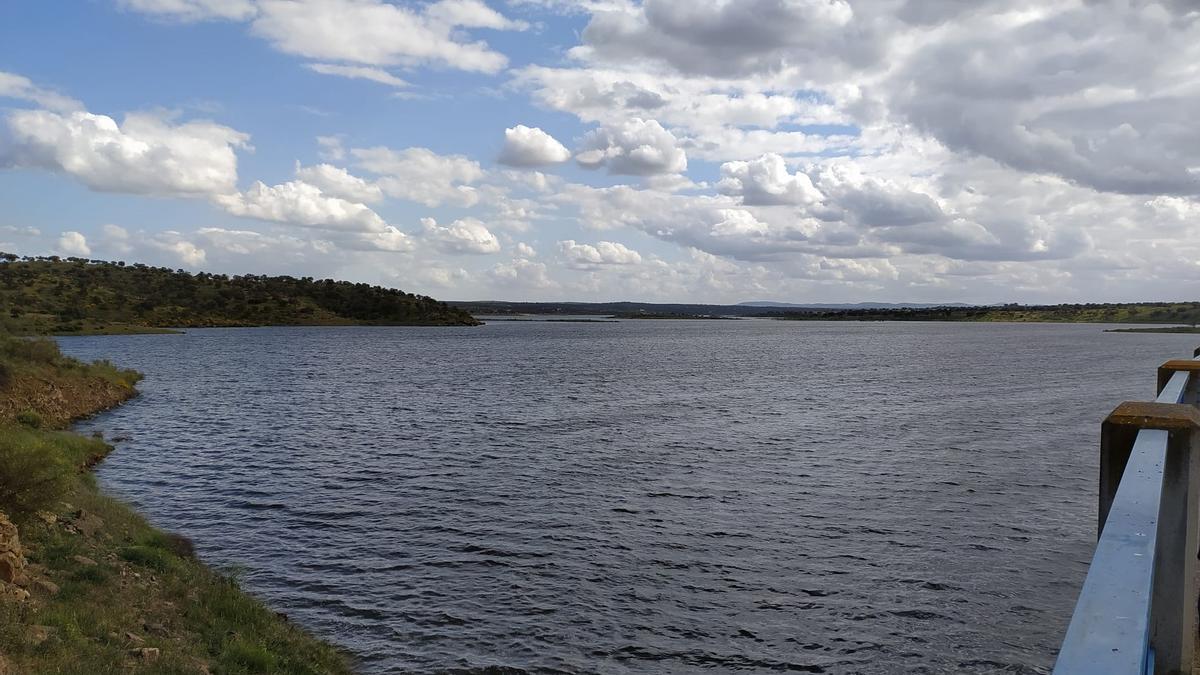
[{"x": 641, "y": 496}]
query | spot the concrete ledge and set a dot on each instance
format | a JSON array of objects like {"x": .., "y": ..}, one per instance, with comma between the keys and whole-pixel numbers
[
  {"x": 1171, "y": 367},
  {"x": 1165, "y": 416}
]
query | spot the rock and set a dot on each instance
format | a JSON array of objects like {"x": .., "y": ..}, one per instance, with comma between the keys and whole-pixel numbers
[
  {"x": 36, "y": 635},
  {"x": 47, "y": 517},
  {"x": 9, "y": 570},
  {"x": 134, "y": 638},
  {"x": 86, "y": 523},
  {"x": 145, "y": 653},
  {"x": 154, "y": 628},
  {"x": 84, "y": 560},
  {"x": 12, "y": 559},
  {"x": 8, "y": 591},
  {"x": 46, "y": 586}
]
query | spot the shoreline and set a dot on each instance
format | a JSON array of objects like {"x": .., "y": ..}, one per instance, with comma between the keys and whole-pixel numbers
[{"x": 87, "y": 584}]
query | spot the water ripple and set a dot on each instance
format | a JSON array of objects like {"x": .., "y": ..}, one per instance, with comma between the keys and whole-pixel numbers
[{"x": 639, "y": 497}]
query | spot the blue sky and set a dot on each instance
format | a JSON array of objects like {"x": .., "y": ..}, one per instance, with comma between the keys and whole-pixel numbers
[{"x": 796, "y": 150}]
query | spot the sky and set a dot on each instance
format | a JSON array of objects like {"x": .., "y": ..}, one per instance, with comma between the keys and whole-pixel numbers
[{"x": 596, "y": 150}]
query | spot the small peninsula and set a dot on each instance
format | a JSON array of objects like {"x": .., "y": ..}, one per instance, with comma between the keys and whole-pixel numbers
[{"x": 53, "y": 295}]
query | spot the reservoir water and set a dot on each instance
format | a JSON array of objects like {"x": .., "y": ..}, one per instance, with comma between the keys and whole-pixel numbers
[{"x": 643, "y": 496}]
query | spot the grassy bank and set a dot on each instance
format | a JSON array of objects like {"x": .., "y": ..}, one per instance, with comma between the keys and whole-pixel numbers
[{"x": 86, "y": 584}]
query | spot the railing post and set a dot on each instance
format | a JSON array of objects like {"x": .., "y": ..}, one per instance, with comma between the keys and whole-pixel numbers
[
  {"x": 1173, "y": 607},
  {"x": 1116, "y": 442}
]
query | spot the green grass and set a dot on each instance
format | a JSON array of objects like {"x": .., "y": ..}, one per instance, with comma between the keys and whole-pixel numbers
[
  {"x": 41, "y": 357},
  {"x": 122, "y": 584},
  {"x": 144, "y": 583}
]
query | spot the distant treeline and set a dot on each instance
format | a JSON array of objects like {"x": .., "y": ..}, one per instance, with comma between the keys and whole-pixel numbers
[
  {"x": 1143, "y": 312},
  {"x": 71, "y": 295}
]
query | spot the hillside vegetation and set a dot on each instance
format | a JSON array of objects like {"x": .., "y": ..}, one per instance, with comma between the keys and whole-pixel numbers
[
  {"x": 74, "y": 295},
  {"x": 86, "y": 584}
]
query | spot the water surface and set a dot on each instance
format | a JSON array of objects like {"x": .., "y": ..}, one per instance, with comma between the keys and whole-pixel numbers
[{"x": 642, "y": 496}]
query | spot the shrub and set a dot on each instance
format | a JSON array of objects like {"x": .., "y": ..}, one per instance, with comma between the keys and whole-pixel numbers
[
  {"x": 38, "y": 350},
  {"x": 148, "y": 556},
  {"x": 29, "y": 419},
  {"x": 243, "y": 656},
  {"x": 33, "y": 474}
]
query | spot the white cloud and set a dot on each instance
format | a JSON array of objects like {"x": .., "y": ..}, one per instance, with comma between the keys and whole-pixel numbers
[
  {"x": 376, "y": 33},
  {"x": 143, "y": 155},
  {"x": 604, "y": 253},
  {"x": 766, "y": 181},
  {"x": 441, "y": 277},
  {"x": 358, "y": 73},
  {"x": 193, "y": 10},
  {"x": 183, "y": 250},
  {"x": 530, "y": 146},
  {"x": 389, "y": 239},
  {"x": 331, "y": 148},
  {"x": 74, "y": 244},
  {"x": 521, "y": 274},
  {"x": 20, "y": 231},
  {"x": 421, "y": 175},
  {"x": 470, "y": 14},
  {"x": 338, "y": 182},
  {"x": 467, "y": 235},
  {"x": 636, "y": 147},
  {"x": 523, "y": 250},
  {"x": 115, "y": 238},
  {"x": 299, "y": 203},
  {"x": 19, "y": 87}
]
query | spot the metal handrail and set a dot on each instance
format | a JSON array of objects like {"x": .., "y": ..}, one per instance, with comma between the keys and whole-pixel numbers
[{"x": 1136, "y": 612}]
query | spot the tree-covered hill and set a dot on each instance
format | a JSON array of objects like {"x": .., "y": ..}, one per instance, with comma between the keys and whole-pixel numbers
[{"x": 73, "y": 295}]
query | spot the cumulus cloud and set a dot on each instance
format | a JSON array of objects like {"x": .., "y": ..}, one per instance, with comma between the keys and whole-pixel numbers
[
  {"x": 338, "y": 182},
  {"x": 1097, "y": 96},
  {"x": 716, "y": 37},
  {"x": 115, "y": 238},
  {"x": 421, "y": 175},
  {"x": 143, "y": 155},
  {"x": 299, "y": 203},
  {"x": 180, "y": 248},
  {"x": 74, "y": 243},
  {"x": 604, "y": 253},
  {"x": 388, "y": 239},
  {"x": 530, "y": 146},
  {"x": 358, "y": 73},
  {"x": 766, "y": 181},
  {"x": 365, "y": 32},
  {"x": 193, "y": 10},
  {"x": 636, "y": 147},
  {"x": 521, "y": 274},
  {"x": 870, "y": 201},
  {"x": 467, "y": 235}
]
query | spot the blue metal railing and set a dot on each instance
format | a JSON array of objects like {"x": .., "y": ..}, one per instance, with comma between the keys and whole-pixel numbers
[{"x": 1121, "y": 618}]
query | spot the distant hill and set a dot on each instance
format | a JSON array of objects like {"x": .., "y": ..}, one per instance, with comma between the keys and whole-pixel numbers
[
  {"x": 856, "y": 305},
  {"x": 74, "y": 295},
  {"x": 604, "y": 308},
  {"x": 1187, "y": 313}
]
